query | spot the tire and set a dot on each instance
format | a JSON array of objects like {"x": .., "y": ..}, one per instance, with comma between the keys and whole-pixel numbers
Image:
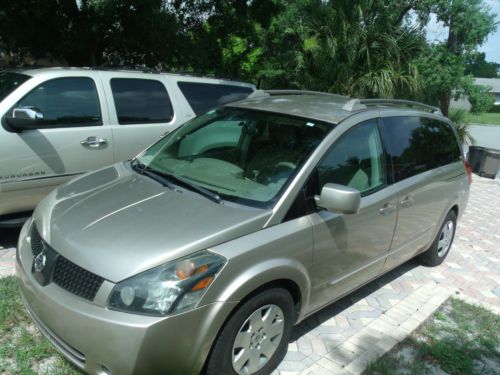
[
  {"x": 262, "y": 346},
  {"x": 440, "y": 248}
]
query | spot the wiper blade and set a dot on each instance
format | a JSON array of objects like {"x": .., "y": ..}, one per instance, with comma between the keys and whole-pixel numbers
[
  {"x": 201, "y": 190},
  {"x": 156, "y": 175},
  {"x": 151, "y": 173}
]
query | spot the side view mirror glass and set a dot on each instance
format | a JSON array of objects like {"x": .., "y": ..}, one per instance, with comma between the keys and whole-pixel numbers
[{"x": 339, "y": 198}]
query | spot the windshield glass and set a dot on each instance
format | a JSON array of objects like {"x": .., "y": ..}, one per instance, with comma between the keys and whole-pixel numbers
[
  {"x": 9, "y": 82},
  {"x": 244, "y": 156}
]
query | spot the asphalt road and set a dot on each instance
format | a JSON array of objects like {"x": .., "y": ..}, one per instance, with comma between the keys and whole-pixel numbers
[{"x": 486, "y": 135}]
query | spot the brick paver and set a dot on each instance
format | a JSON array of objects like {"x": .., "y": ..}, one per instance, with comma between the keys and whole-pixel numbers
[{"x": 345, "y": 336}]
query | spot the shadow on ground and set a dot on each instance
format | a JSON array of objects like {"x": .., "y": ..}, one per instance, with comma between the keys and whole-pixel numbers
[
  {"x": 8, "y": 237},
  {"x": 342, "y": 304}
]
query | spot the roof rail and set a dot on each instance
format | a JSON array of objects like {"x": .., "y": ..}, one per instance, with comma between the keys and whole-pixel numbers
[
  {"x": 303, "y": 92},
  {"x": 400, "y": 102}
]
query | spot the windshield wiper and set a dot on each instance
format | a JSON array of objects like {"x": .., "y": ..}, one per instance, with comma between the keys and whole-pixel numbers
[
  {"x": 156, "y": 175},
  {"x": 201, "y": 190},
  {"x": 151, "y": 173}
]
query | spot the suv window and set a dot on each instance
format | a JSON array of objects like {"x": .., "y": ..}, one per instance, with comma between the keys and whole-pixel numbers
[
  {"x": 141, "y": 101},
  {"x": 418, "y": 144},
  {"x": 65, "y": 101},
  {"x": 9, "y": 82},
  {"x": 203, "y": 97},
  {"x": 355, "y": 160}
]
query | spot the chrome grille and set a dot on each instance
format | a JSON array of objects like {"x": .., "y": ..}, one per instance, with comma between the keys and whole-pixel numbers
[
  {"x": 75, "y": 279},
  {"x": 65, "y": 273},
  {"x": 36, "y": 240}
]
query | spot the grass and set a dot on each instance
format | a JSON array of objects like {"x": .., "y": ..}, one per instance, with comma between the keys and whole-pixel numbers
[
  {"x": 459, "y": 339},
  {"x": 23, "y": 350},
  {"x": 484, "y": 118}
]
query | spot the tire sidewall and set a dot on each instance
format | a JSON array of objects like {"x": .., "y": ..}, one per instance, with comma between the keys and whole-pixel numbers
[{"x": 220, "y": 360}]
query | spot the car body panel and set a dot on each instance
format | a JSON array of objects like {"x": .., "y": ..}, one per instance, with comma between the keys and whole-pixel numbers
[
  {"x": 34, "y": 162},
  {"x": 75, "y": 221},
  {"x": 136, "y": 344},
  {"x": 116, "y": 216}
]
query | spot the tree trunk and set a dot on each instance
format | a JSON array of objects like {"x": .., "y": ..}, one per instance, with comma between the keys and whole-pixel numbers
[{"x": 445, "y": 102}]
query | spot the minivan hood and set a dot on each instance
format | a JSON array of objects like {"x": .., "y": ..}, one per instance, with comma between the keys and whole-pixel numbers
[{"x": 116, "y": 223}]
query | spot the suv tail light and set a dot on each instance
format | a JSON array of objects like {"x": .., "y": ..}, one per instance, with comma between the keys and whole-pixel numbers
[{"x": 468, "y": 169}]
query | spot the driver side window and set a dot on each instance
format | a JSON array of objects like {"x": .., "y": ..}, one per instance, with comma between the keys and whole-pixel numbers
[
  {"x": 355, "y": 160},
  {"x": 65, "y": 102}
]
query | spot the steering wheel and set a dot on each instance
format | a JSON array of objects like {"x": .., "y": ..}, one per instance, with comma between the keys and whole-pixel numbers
[{"x": 284, "y": 164}]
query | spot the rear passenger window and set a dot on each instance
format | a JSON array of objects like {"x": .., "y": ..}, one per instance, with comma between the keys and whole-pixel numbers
[
  {"x": 65, "y": 102},
  {"x": 418, "y": 144},
  {"x": 355, "y": 160},
  {"x": 203, "y": 97},
  {"x": 141, "y": 101}
]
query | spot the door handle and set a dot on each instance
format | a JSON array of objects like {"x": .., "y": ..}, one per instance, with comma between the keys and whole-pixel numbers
[
  {"x": 94, "y": 142},
  {"x": 407, "y": 202},
  {"x": 387, "y": 209}
]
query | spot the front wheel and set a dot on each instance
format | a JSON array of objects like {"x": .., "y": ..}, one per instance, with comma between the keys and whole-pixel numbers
[
  {"x": 442, "y": 243},
  {"x": 255, "y": 338}
]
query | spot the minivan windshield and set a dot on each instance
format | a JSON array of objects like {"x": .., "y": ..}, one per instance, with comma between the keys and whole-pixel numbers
[
  {"x": 9, "y": 82},
  {"x": 244, "y": 156}
]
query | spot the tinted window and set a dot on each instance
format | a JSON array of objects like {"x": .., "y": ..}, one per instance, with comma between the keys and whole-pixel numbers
[
  {"x": 355, "y": 160},
  {"x": 203, "y": 97},
  {"x": 65, "y": 101},
  {"x": 140, "y": 101},
  {"x": 418, "y": 144},
  {"x": 9, "y": 82}
]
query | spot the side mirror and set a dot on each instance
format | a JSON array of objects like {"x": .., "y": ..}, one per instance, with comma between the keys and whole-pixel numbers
[
  {"x": 24, "y": 118},
  {"x": 339, "y": 198}
]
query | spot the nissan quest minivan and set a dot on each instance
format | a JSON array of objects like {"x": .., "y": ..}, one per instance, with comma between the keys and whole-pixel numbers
[
  {"x": 57, "y": 123},
  {"x": 202, "y": 253}
]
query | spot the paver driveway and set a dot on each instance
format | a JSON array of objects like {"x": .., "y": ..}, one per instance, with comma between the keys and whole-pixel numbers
[{"x": 345, "y": 336}]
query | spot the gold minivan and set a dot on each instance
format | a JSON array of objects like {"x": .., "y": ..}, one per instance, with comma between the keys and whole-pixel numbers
[{"x": 201, "y": 253}]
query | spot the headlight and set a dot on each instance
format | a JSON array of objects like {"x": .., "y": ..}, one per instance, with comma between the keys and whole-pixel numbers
[{"x": 171, "y": 287}]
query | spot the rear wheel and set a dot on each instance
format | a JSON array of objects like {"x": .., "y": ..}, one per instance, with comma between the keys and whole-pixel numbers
[
  {"x": 442, "y": 243},
  {"x": 255, "y": 338}
]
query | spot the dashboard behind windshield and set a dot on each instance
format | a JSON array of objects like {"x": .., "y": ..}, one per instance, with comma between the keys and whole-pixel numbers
[{"x": 245, "y": 156}]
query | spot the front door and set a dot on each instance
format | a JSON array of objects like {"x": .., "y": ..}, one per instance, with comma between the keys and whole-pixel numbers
[
  {"x": 70, "y": 139},
  {"x": 350, "y": 250}
]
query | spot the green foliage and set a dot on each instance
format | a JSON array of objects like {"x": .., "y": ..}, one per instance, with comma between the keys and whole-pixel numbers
[
  {"x": 459, "y": 117},
  {"x": 469, "y": 23},
  {"x": 362, "y": 48},
  {"x": 458, "y": 339},
  {"x": 479, "y": 67},
  {"x": 480, "y": 97}
]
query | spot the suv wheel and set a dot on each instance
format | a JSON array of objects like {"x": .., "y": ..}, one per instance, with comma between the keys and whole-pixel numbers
[
  {"x": 255, "y": 338},
  {"x": 442, "y": 243}
]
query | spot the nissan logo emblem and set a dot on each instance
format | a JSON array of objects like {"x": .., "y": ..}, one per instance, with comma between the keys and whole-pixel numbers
[{"x": 40, "y": 262}]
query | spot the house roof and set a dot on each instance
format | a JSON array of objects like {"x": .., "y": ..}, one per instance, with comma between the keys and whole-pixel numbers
[{"x": 494, "y": 83}]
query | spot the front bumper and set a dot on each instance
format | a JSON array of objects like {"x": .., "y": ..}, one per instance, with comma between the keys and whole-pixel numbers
[{"x": 102, "y": 341}]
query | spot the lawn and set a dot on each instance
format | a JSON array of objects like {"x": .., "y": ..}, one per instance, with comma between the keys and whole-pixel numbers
[
  {"x": 484, "y": 118},
  {"x": 459, "y": 339},
  {"x": 23, "y": 350}
]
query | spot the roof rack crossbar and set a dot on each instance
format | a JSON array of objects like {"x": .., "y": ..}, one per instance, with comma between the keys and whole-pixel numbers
[{"x": 400, "y": 102}]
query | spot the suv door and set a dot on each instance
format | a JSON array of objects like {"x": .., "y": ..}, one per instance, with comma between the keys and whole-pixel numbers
[
  {"x": 427, "y": 164},
  {"x": 144, "y": 111},
  {"x": 71, "y": 139},
  {"x": 350, "y": 250}
]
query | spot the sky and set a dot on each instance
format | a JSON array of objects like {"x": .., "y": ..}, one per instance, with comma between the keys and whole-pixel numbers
[{"x": 436, "y": 31}]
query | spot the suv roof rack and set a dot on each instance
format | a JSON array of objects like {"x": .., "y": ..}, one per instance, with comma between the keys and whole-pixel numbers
[
  {"x": 260, "y": 92},
  {"x": 354, "y": 104},
  {"x": 145, "y": 69}
]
